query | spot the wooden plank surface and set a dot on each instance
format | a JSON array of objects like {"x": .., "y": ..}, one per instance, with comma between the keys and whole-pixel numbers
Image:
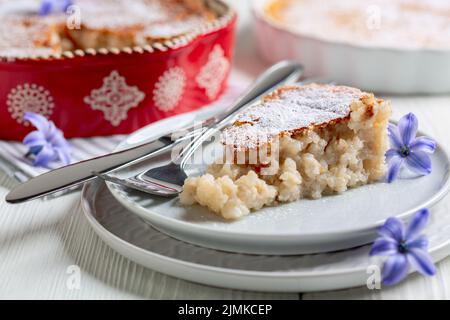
[{"x": 41, "y": 240}]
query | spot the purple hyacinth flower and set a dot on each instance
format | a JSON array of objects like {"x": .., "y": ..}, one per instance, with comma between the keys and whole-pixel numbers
[
  {"x": 47, "y": 143},
  {"x": 54, "y": 6},
  {"x": 405, "y": 247},
  {"x": 408, "y": 150}
]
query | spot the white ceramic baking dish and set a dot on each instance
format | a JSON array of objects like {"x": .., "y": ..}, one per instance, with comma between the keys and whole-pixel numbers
[{"x": 383, "y": 70}]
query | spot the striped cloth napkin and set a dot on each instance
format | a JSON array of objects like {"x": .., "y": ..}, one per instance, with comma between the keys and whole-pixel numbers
[
  {"x": 14, "y": 164},
  {"x": 17, "y": 166}
]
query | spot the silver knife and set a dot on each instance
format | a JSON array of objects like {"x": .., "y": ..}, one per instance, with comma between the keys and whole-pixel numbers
[{"x": 75, "y": 174}]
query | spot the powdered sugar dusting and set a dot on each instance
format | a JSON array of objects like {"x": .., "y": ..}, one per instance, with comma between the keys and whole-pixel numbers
[
  {"x": 24, "y": 33},
  {"x": 147, "y": 17},
  {"x": 170, "y": 28},
  {"x": 292, "y": 109},
  {"x": 24, "y": 36},
  {"x": 112, "y": 14}
]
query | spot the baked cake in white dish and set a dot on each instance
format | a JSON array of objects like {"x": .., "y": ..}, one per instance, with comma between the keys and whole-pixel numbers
[
  {"x": 413, "y": 24},
  {"x": 298, "y": 142}
]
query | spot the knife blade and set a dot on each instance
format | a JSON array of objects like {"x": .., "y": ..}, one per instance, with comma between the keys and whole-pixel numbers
[
  {"x": 75, "y": 174},
  {"x": 81, "y": 172}
]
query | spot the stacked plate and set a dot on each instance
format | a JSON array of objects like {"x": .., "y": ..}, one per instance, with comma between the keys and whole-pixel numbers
[{"x": 290, "y": 248}]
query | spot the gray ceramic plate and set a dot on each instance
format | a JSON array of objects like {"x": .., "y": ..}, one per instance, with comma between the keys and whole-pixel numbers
[
  {"x": 132, "y": 237},
  {"x": 306, "y": 226}
]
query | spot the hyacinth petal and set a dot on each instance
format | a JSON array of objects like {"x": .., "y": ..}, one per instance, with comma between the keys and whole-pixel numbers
[
  {"x": 61, "y": 142},
  {"x": 47, "y": 143},
  {"x": 40, "y": 122},
  {"x": 421, "y": 261},
  {"x": 64, "y": 156},
  {"x": 50, "y": 6},
  {"x": 423, "y": 144},
  {"x": 35, "y": 138},
  {"x": 384, "y": 247},
  {"x": 407, "y": 127},
  {"x": 420, "y": 242},
  {"x": 395, "y": 269},
  {"x": 45, "y": 8},
  {"x": 52, "y": 130},
  {"x": 393, "y": 229},
  {"x": 394, "y": 137},
  {"x": 417, "y": 224},
  {"x": 394, "y": 165},
  {"x": 46, "y": 155},
  {"x": 55, "y": 136},
  {"x": 66, "y": 4},
  {"x": 419, "y": 162},
  {"x": 392, "y": 153}
]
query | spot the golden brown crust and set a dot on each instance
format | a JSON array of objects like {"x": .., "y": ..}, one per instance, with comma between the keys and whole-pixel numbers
[
  {"x": 121, "y": 34},
  {"x": 299, "y": 131},
  {"x": 275, "y": 8}
]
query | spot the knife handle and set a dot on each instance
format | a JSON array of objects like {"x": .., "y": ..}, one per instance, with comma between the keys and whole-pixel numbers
[{"x": 80, "y": 172}]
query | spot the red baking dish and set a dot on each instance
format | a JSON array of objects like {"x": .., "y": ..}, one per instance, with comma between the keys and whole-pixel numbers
[{"x": 104, "y": 92}]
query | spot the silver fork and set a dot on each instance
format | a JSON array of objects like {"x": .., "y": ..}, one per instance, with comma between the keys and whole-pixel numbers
[{"x": 166, "y": 180}]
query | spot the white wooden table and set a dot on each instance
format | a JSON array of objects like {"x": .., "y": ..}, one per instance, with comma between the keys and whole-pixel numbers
[{"x": 41, "y": 240}]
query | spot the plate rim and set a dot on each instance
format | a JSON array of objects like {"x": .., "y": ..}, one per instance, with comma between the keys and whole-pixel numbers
[
  {"x": 438, "y": 253},
  {"x": 98, "y": 226},
  {"x": 144, "y": 213}
]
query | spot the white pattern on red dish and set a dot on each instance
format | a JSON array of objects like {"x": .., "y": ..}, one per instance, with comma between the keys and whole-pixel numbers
[
  {"x": 169, "y": 89},
  {"x": 29, "y": 98},
  {"x": 115, "y": 98},
  {"x": 214, "y": 72}
]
